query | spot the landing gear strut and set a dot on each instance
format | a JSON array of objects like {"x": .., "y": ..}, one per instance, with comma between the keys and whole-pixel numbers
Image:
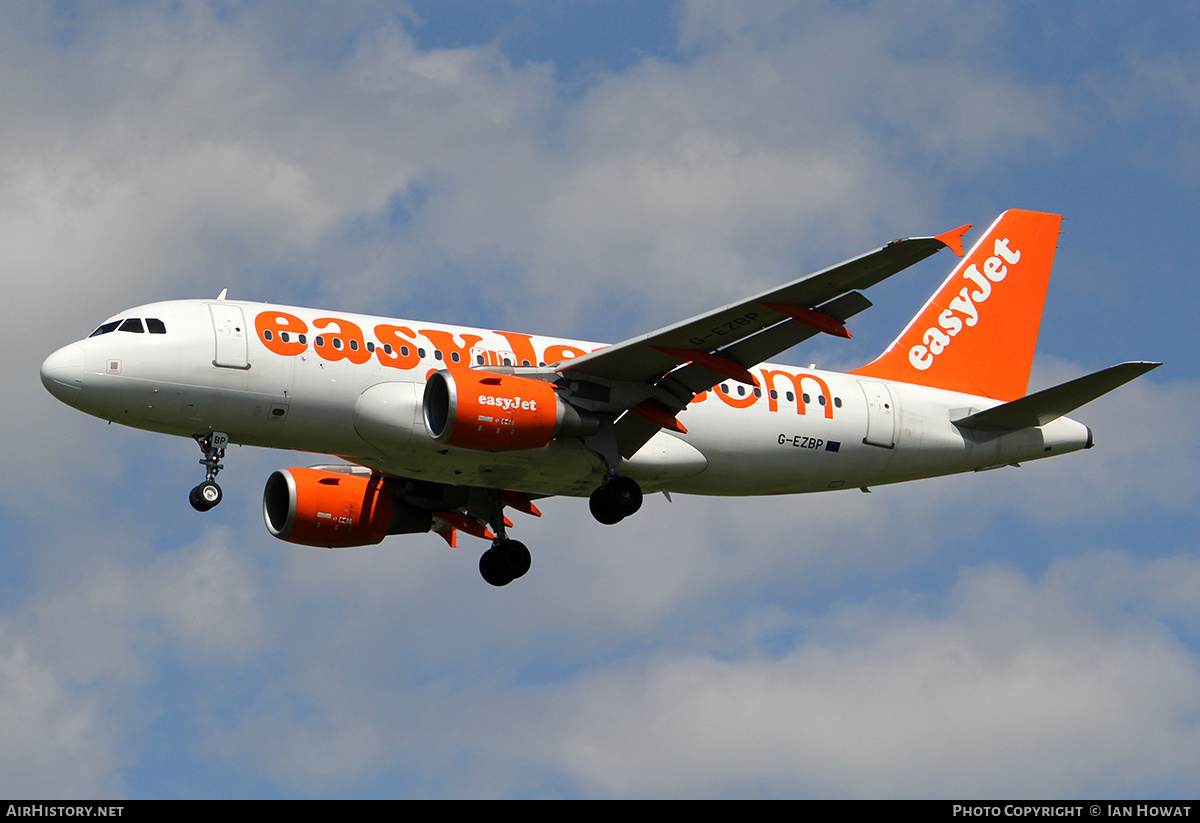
[
  {"x": 616, "y": 499},
  {"x": 208, "y": 493},
  {"x": 507, "y": 559}
]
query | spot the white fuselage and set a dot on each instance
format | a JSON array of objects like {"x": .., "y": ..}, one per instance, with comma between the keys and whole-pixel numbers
[{"x": 356, "y": 393}]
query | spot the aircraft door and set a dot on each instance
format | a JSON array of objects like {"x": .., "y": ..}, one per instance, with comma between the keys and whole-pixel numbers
[
  {"x": 229, "y": 328},
  {"x": 881, "y": 414}
]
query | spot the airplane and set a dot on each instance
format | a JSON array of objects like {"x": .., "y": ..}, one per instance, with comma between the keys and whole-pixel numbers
[{"x": 443, "y": 427}]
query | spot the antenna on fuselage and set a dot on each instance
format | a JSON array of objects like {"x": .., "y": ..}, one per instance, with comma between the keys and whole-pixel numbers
[{"x": 221, "y": 296}]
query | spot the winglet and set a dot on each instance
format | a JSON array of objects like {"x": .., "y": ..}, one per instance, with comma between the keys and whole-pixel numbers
[{"x": 953, "y": 238}]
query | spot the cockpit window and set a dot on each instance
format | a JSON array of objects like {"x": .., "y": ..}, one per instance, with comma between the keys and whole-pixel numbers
[{"x": 132, "y": 324}]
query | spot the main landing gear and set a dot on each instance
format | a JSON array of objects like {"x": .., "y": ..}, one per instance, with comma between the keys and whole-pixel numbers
[
  {"x": 616, "y": 499},
  {"x": 507, "y": 559},
  {"x": 208, "y": 493},
  {"x": 504, "y": 562}
]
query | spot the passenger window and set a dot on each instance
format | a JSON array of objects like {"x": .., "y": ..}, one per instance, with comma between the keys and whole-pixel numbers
[
  {"x": 155, "y": 326},
  {"x": 133, "y": 324}
]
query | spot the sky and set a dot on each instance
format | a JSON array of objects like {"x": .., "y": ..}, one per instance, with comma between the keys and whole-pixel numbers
[{"x": 598, "y": 170}]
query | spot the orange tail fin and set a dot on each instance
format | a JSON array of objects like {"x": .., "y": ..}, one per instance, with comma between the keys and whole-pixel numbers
[{"x": 977, "y": 334}]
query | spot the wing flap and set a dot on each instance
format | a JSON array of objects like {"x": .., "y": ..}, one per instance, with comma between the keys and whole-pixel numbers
[{"x": 633, "y": 430}]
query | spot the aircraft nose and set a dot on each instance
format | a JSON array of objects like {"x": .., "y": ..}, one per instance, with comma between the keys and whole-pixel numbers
[{"x": 62, "y": 373}]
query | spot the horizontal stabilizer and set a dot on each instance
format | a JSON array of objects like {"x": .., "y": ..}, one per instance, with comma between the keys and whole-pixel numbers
[{"x": 1041, "y": 407}]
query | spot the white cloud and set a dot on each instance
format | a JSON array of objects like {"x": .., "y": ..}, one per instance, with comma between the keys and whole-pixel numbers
[
  {"x": 77, "y": 657},
  {"x": 58, "y": 742},
  {"x": 1018, "y": 689}
]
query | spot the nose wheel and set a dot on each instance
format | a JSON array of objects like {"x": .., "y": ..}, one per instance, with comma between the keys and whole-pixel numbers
[
  {"x": 205, "y": 496},
  {"x": 208, "y": 493}
]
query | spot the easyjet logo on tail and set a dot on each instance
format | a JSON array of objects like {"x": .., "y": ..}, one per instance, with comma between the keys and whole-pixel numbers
[
  {"x": 977, "y": 334},
  {"x": 964, "y": 308}
]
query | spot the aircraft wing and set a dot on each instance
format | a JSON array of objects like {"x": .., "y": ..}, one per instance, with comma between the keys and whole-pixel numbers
[
  {"x": 656, "y": 375},
  {"x": 642, "y": 358}
]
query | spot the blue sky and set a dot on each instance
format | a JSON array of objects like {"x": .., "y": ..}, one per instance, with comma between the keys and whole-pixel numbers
[{"x": 598, "y": 170}]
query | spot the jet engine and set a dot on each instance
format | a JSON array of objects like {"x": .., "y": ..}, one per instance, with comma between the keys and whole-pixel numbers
[
  {"x": 336, "y": 509},
  {"x": 485, "y": 411}
]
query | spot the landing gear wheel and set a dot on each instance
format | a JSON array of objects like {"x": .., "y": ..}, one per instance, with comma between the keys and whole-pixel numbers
[
  {"x": 616, "y": 500},
  {"x": 205, "y": 496},
  {"x": 504, "y": 562},
  {"x": 600, "y": 510},
  {"x": 516, "y": 558},
  {"x": 624, "y": 495},
  {"x": 208, "y": 493}
]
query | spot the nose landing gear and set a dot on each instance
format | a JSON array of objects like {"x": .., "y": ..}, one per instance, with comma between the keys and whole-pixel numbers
[{"x": 208, "y": 493}]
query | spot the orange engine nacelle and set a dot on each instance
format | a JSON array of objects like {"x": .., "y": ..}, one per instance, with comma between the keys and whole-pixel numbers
[
  {"x": 314, "y": 507},
  {"x": 485, "y": 411}
]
